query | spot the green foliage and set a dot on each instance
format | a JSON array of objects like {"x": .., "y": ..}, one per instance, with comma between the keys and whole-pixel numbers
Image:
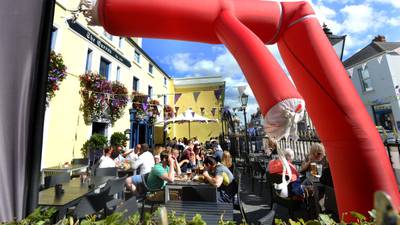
[
  {"x": 325, "y": 219},
  {"x": 96, "y": 142},
  {"x": 118, "y": 139},
  {"x": 38, "y": 217}
]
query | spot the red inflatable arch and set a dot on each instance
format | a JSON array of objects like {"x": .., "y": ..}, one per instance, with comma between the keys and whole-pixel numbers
[{"x": 359, "y": 163}]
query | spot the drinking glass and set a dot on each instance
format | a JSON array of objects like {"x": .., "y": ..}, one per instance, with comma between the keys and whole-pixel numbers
[{"x": 319, "y": 169}]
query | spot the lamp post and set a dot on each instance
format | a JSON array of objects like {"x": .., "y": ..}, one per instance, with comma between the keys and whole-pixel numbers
[
  {"x": 336, "y": 41},
  {"x": 244, "y": 99}
]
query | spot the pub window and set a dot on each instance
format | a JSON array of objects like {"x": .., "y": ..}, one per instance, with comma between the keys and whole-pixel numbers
[
  {"x": 135, "y": 85},
  {"x": 104, "y": 67},
  {"x": 151, "y": 68},
  {"x": 150, "y": 91},
  {"x": 118, "y": 77},
  {"x": 54, "y": 31},
  {"x": 89, "y": 54},
  {"x": 107, "y": 35},
  {"x": 120, "y": 42},
  {"x": 137, "y": 56}
]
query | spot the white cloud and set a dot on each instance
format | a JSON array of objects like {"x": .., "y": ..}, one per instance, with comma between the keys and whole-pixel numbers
[
  {"x": 395, "y": 3},
  {"x": 358, "y": 18}
]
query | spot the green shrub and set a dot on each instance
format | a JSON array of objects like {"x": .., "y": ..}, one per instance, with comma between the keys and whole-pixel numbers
[
  {"x": 118, "y": 139},
  {"x": 96, "y": 142}
]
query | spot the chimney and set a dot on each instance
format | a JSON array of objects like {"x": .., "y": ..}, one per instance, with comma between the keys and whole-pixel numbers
[{"x": 379, "y": 38}]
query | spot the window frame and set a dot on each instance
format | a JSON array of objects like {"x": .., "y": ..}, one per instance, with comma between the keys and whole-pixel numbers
[
  {"x": 108, "y": 62},
  {"x": 364, "y": 80}
]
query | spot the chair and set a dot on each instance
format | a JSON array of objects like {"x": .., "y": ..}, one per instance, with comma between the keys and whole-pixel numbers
[
  {"x": 330, "y": 201},
  {"x": 128, "y": 208},
  {"x": 92, "y": 203},
  {"x": 258, "y": 173},
  {"x": 111, "y": 171},
  {"x": 148, "y": 193},
  {"x": 80, "y": 161},
  {"x": 200, "y": 194},
  {"x": 58, "y": 178},
  {"x": 115, "y": 186},
  {"x": 238, "y": 204}
]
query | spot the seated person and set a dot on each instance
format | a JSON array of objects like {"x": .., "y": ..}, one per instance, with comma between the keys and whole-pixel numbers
[
  {"x": 227, "y": 160},
  {"x": 117, "y": 155},
  {"x": 190, "y": 163},
  {"x": 316, "y": 155},
  {"x": 295, "y": 190},
  {"x": 161, "y": 172},
  {"x": 145, "y": 160},
  {"x": 106, "y": 161},
  {"x": 220, "y": 177},
  {"x": 132, "y": 154}
]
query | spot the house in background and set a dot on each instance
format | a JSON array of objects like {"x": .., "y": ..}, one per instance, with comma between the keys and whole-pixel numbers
[{"x": 375, "y": 73}]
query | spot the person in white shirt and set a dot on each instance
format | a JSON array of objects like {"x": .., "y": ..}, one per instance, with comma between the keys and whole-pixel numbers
[
  {"x": 106, "y": 161},
  {"x": 145, "y": 162}
]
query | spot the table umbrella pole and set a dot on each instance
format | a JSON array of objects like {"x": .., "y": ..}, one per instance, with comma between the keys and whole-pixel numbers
[{"x": 189, "y": 130}]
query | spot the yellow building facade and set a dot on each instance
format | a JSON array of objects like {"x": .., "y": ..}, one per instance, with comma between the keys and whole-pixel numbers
[
  {"x": 85, "y": 48},
  {"x": 205, "y": 97}
]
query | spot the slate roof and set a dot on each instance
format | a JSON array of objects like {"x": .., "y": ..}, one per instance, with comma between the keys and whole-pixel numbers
[{"x": 371, "y": 50}]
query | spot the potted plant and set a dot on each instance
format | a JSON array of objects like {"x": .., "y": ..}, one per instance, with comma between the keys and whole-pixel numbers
[
  {"x": 95, "y": 144},
  {"x": 118, "y": 139}
]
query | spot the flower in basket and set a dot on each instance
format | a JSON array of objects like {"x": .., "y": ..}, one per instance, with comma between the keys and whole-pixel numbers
[
  {"x": 56, "y": 74},
  {"x": 153, "y": 107},
  {"x": 140, "y": 104},
  {"x": 168, "y": 112},
  {"x": 102, "y": 98}
]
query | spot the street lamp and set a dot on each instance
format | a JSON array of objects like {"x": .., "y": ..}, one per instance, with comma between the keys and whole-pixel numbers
[
  {"x": 336, "y": 41},
  {"x": 244, "y": 99}
]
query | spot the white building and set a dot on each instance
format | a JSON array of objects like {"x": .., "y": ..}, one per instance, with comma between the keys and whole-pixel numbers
[{"x": 375, "y": 73}]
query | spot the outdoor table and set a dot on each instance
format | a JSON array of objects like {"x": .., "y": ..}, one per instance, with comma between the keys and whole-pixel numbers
[
  {"x": 122, "y": 172},
  {"x": 210, "y": 212},
  {"x": 179, "y": 184},
  {"x": 61, "y": 169},
  {"x": 73, "y": 192}
]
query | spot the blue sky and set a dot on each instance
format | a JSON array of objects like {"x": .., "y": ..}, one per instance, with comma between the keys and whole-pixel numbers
[{"x": 359, "y": 20}]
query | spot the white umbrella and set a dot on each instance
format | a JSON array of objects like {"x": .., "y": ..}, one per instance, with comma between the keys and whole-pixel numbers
[{"x": 189, "y": 116}]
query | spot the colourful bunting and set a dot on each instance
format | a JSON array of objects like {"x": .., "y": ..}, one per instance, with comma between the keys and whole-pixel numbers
[
  {"x": 196, "y": 95},
  {"x": 213, "y": 111},
  {"x": 202, "y": 110},
  {"x": 177, "y": 96},
  {"x": 176, "y": 110},
  {"x": 193, "y": 114},
  {"x": 218, "y": 93}
]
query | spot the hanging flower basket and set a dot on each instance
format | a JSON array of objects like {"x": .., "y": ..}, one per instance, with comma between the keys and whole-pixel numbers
[
  {"x": 168, "y": 112},
  {"x": 140, "y": 104},
  {"x": 102, "y": 99},
  {"x": 57, "y": 73}
]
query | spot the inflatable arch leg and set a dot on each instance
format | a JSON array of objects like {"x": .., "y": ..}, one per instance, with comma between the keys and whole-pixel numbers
[{"x": 357, "y": 157}]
